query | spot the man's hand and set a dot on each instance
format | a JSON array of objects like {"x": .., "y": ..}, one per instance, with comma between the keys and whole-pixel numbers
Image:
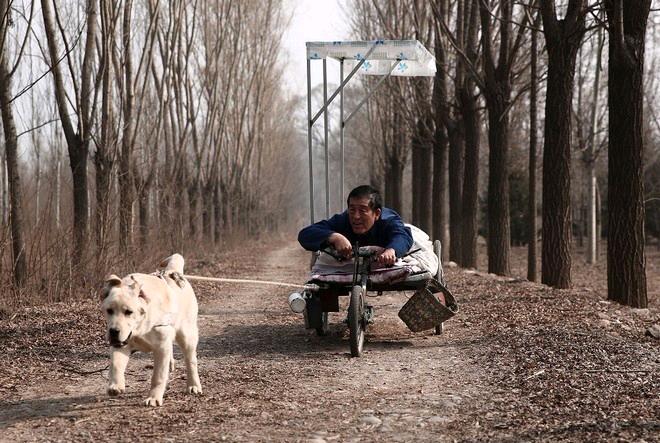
[
  {"x": 341, "y": 244},
  {"x": 387, "y": 257}
]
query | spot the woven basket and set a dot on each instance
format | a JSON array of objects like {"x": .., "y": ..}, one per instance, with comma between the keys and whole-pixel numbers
[{"x": 423, "y": 311}]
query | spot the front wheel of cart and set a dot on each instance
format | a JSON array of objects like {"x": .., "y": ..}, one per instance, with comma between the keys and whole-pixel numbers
[{"x": 356, "y": 321}]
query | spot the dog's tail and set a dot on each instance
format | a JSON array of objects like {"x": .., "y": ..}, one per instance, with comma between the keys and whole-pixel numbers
[{"x": 174, "y": 263}]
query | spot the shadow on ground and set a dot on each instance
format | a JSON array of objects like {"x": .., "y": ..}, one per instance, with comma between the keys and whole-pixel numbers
[
  {"x": 12, "y": 412},
  {"x": 290, "y": 340}
]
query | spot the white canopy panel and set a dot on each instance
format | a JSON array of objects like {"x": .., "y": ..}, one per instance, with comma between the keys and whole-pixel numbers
[{"x": 414, "y": 58}]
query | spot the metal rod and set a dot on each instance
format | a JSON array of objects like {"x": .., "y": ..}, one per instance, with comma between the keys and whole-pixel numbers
[
  {"x": 350, "y": 75},
  {"x": 341, "y": 135},
  {"x": 325, "y": 140},
  {"x": 310, "y": 124},
  {"x": 371, "y": 92}
]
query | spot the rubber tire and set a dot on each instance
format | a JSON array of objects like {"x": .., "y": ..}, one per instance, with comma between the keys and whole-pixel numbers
[
  {"x": 356, "y": 321},
  {"x": 323, "y": 329}
]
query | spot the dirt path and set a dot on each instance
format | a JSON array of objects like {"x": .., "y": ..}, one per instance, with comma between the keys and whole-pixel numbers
[{"x": 499, "y": 372}]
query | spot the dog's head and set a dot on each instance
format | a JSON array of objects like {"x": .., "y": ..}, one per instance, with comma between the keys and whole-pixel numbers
[{"x": 124, "y": 307}]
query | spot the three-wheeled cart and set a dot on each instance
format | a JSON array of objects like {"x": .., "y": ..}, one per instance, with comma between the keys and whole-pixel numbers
[
  {"x": 382, "y": 58},
  {"x": 422, "y": 311}
]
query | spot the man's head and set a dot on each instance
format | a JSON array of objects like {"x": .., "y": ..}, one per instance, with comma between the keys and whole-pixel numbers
[{"x": 364, "y": 208}]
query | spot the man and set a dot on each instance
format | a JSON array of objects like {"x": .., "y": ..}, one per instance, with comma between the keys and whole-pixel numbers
[{"x": 365, "y": 222}]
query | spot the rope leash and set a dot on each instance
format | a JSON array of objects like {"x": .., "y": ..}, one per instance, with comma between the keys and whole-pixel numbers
[{"x": 258, "y": 282}]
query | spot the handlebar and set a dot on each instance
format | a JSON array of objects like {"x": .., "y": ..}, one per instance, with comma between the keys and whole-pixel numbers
[
  {"x": 362, "y": 251},
  {"x": 332, "y": 252}
]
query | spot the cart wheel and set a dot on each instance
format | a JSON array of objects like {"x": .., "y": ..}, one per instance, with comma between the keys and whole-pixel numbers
[
  {"x": 323, "y": 329},
  {"x": 356, "y": 321},
  {"x": 438, "y": 329}
]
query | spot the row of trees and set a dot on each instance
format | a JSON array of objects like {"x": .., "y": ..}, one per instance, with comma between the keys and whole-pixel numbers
[
  {"x": 498, "y": 63},
  {"x": 171, "y": 116}
]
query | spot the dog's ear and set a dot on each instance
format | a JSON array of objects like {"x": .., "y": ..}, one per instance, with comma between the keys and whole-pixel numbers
[
  {"x": 137, "y": 287},
  {"x": 111, "y": 281},
  {"x": 144, "y": 296}
]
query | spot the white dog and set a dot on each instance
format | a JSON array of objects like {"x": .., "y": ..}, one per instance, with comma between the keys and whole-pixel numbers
[{"x": 148, "y": 312}]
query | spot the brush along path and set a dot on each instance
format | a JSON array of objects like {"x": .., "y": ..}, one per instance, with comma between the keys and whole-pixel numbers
[{"x": 519, "y": 362}]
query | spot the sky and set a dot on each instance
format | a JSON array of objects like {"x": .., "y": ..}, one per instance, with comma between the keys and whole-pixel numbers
[{"x": 313, "y": 20}]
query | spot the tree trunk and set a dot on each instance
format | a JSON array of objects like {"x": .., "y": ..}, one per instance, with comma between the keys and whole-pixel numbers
[
  {"x": 78, "y": 154},
  {"x": 37, "y": 174},
  {"x": 426, "y": 175},
  {"x": 394, "y": 183},
  {"x": 207, "y": 213},
  {"x": 499, "y": 230},
  {"x": 531, "y": 204},
  {"x": 4, "y": 200},
  {"x": 470, "y": 205},
  {"x": 456, "y": 170},
  {"x": 563, "y": 39},
  {"x": 19, "y": 266},
  {"x": 144, "y": 216},
  {"x": 416, "y": 183},
  {"x": 193, "y": 205},
  {"x": 217, "y": 214},
  {"x": 626, "y": 266},
  {"x": 78, "y": 138},
  {"x": 103, "y": 185},
  {"x": 440, "y": 188},
  {"x": 126, "y": 179},
  {"x": 592, "y": 182},
  {"x": 58, "y": 186},
  {"x": 227, "y": 216},
  {"x": 440, "y": 218},
  {"x": 496, "y": 86}
]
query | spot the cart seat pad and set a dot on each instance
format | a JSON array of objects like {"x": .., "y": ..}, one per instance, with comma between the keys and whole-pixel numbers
[{"x": 327, "y": 269}]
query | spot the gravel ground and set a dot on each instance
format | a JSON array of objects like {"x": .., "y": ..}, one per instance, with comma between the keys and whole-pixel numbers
[{"x": 520, "y": 362}]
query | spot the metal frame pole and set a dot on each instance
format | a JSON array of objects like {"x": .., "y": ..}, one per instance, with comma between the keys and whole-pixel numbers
[
  {"x": 350, "y": 75},
  {"x": 310, "y": 124},
  {"x": 325, "y": 140},
  {"x": 341, "y": 134}
]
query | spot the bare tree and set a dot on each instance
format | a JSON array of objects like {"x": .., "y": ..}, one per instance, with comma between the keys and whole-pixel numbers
[
  {"x": 563, "y": 39},
  {"x": 78, "y": 137},
  {"x": 531, "y": 245},
  {"x": 496, "y": 86},
  {"x": 105, "y": 153},
  {"x": 468, "y": 105},
  {"x": 590, "y": 159},
  {"x": 125, "y": 173},
  {"x": 626, "y": 264},
  {"x": 441, "y": 140},
  {"x": 16, "y": 216}
]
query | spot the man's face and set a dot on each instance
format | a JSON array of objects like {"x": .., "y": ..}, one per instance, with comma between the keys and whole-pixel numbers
[{"x": 360, "y": 215}]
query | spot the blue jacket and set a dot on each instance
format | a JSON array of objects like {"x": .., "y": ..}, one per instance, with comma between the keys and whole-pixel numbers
[{"x": 388, "y": 232}]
